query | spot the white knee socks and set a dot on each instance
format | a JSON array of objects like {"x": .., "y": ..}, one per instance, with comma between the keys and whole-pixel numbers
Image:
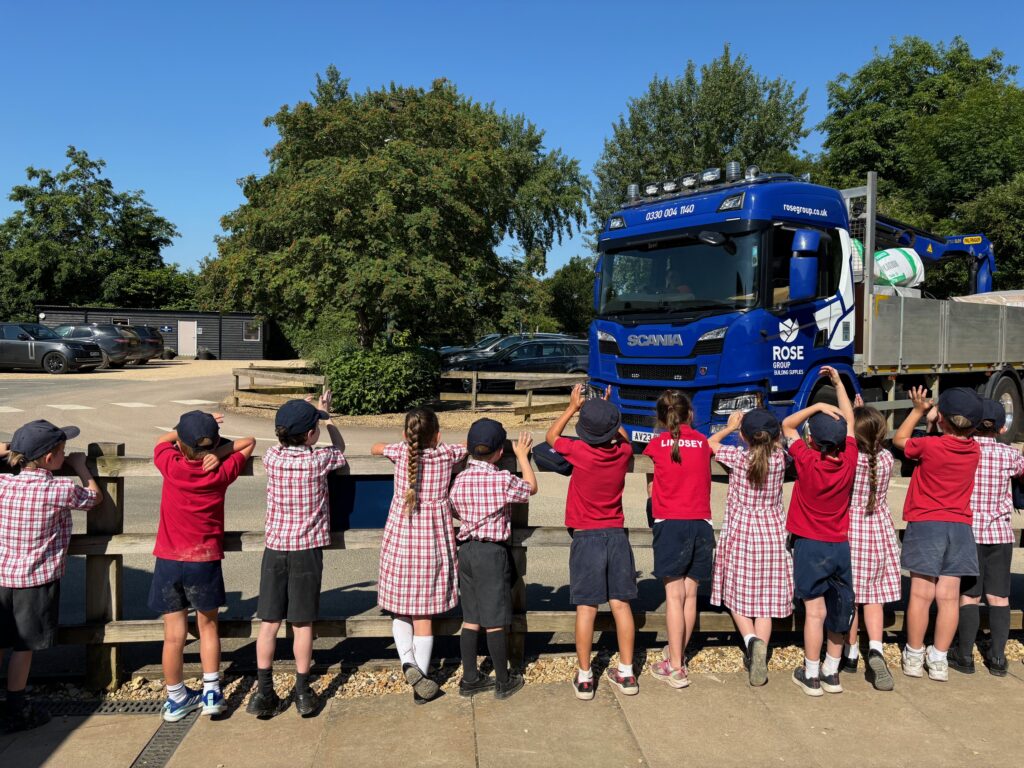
[
  {"x": 423, "y": 646},
  {"x": 401, "y": 630}
]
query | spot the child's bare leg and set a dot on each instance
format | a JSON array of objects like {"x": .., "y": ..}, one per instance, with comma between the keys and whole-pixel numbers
[
  {"x": 744, "y": 624},
  {"x": 689, "y": 609},
  {"x": 209, "y": 641},
  {"x": 18, "y": 666},
  {"x": 814, "y": 623},
  {"x": 302, "y": 646},
  {"x": 763, "y": 628},
  {"x": 625, "y": 629},
  {"x": 922, "y": 593},
  {"x": 585, "y": 615},
  {"x": 851, "y": 636},
  {"x": 675, "y": 620},
  {"x": 874, "y": 621},
  {"x": 172, "y": 658},
  {"x": 834, "y": 644},
  {"x": 947, "y": 599},
  {"x": 266, "y": 644}
]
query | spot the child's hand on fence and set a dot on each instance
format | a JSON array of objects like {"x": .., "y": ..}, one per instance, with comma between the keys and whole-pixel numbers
[
  {"x": 521, "y": 448},
  {"x": 218, "y": 417},
  {"x": 325, "y": 400},
  {"x": 576, "y": 399},
  {"x": 76, "y": 461},
  {"x": 210, "y": 462}
]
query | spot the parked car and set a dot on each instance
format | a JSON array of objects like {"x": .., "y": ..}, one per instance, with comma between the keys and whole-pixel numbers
[
  {"x": 478, "y": 344},
  {"x": 30, "y": 345},
  {"x": 118, "y": 344},
  {"x": 551, "y": 355},
  {"x": 497, "y": 345},
  {"x": 152, "y": 342}
]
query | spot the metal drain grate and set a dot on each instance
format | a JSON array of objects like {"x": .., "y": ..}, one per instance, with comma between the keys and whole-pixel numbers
[
  {"x": 84, "y": 708},
  {"x": 164, "y": 743}
]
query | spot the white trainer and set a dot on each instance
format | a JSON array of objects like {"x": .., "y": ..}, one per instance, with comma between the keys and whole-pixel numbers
[
  {"x": 937, "y": 670},
  {"x": 913, "y": 664}
]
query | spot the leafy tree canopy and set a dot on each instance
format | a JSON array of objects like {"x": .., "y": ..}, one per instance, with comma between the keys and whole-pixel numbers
[
  {"x": 728, "y": 112},
  {"x": 571, "y": 288},
  {"x": 75, "y": 240},
  {"x": 389, "y": 206}
]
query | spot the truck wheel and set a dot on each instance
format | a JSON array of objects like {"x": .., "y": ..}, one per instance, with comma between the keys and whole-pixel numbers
[
  {"x": 1007, "y": 394},
  {"x": 55, "y": 362},
  {"x": 825, "y": 394}
]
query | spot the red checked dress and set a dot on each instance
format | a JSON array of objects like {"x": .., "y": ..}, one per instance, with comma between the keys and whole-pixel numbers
[
  {"x": 874, "y": 546},
  {"x": 418, "y": 563},
  {"x": 753, "y": 573}
]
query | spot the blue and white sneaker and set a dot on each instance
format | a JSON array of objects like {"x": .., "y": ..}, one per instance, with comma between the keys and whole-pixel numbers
[
  {"x": 213, "y": 703},
  {"x": 173, "y": 712}
]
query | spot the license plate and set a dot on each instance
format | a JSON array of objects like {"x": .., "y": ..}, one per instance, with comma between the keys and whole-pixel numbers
[
  {"x": 642, "y": 437},
  {"x": 94, "y": 354}
]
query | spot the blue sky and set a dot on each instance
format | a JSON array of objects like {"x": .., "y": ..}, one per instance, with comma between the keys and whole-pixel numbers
[{"x": 173, "y": 95}]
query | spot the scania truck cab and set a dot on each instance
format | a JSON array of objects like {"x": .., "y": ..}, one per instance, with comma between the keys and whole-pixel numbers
[{"x": 736, "y": 288}]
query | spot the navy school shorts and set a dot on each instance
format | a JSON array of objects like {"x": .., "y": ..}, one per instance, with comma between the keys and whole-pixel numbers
[
  {"x": 28, "y": 616},
  {"x": 180, "y": 586},
  {"x": 601, "y": 567},
  {"x": 935, "y": 548},
  {"x": 683, "y": 548},
  {"x": 822, "y": 569}
]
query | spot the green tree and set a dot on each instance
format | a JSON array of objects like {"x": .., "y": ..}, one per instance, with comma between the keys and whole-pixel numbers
[
  {"x": 389, "y": 206},
  {"x": 72, "y": 238},
  {"x": 572, "y": 294},
  {"x": 945, "y": 131},
  {"x": 727, "y": 112}
]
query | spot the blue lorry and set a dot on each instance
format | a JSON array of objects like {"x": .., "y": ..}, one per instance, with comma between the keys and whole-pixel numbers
[{"x": 735, "y": 287}]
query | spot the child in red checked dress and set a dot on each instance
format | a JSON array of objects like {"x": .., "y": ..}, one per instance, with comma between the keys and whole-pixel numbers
[
  {"x": 418, "y": 572},
  {"x": 753, "y": 573}
]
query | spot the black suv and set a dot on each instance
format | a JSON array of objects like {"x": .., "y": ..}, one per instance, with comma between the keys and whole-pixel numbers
[
  {"x": 152, "y": 342},
  {"x": 30, "y": 345},
  {"x": 551, "y": 355},
  {"x": 118, "y": 345}
]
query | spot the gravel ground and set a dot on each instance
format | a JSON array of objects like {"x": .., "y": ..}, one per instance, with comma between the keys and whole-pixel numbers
[{"x": 372, "y": 680}]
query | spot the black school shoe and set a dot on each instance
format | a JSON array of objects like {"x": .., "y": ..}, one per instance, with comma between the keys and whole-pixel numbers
[
  {"x": 264, "y": 707},
  {"x": 306, "y": 703},
  {"x": 756, "y": 662},
  {"x": 26, "y": 718},
  {"x": 996, "y": 665},
  {"x": 878, "y": 673},
  {"x": 847, "y": 664},
  {"x": 479, "y": 685},
  {"x": 422, "y": 686},
  {"x": 958, "y": 662},
  {"x": 809, "y": 685},
  {"x": 504, "y": 690}
]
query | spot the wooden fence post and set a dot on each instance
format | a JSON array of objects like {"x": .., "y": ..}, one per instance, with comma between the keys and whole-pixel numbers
[
  {"x": 517, "y": 638},
  {"x": 103, "y": 575},
  {"x": 475, "y": 387}
]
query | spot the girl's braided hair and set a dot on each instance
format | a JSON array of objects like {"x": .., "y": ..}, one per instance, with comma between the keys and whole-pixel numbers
[
  {"x": 870, "y": 429},
  {"x": 673, "y": 410},
  {"x": 762, "y": 444},
  {"x": 421, "y": 427}
]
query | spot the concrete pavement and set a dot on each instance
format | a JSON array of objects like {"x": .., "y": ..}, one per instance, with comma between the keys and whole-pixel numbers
[{"x": 718, "y": 721}]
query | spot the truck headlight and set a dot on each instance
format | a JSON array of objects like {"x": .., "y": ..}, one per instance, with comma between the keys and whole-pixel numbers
[
  {"x": 717, "y": 333},
  {"x": 739, "y": 401},
  {"x": 604, "y": 336}
]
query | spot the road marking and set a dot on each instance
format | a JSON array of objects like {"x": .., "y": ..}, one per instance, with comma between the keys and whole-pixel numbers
[
  {"x": 194, "y": 402},
  {"x": 8, "y": 409},
  {"x": 70, "y": 407},
  {"x": 134, "y": 405}
]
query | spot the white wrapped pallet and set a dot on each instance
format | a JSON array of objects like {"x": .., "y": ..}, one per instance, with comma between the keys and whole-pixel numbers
[{"x": 901, "y": 267}]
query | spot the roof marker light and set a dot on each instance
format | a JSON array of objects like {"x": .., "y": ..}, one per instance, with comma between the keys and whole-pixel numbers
[
  {"x": 752, "y": 172},
  {"x": 651, "y": 189},
  {"x": 633, "y": 192},
  {"x": 733, "y": 171},
  {"x": 710, "y": 175},
  {"x": 670, "y": 186},
  {"x": 690, "y": 180}
]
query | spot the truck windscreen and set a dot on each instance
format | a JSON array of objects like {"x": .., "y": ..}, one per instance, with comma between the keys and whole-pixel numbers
[{"x": 682, "y": 274}]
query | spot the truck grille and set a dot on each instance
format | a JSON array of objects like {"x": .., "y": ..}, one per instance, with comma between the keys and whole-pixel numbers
[
  {"x": 638, "y": 420},
  {"x": 658, "y": 372},
  {"x": 644, "y": 394},
  {"x": 708, "y": 347}
]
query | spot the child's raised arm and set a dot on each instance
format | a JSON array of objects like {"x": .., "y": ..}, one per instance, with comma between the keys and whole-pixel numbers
[
  {"x": 77, "y": 462},
  {"x": 845, "y": 406},
  {"x": 922, "y": 404},
  {"x": 575, "y": 403},
  {"x": 791, "y": 424},
  {"x": 715, "y": 441},
  {"x": 521, "y": 448}
]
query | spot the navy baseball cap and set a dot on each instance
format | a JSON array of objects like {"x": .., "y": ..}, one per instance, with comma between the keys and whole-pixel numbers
[
  {"x": 485, "y": 437},
  {"x": 759, "y": 420},
  {"x": 599, "y": 422},
  {"x": 298, "y": 417},
  {"x": 198, "y": 430},
  {"x": 39, "y": 437},
  {"x": 961, "y": 401},
  {"x": 826, "y": 431},
  {"x": 993, "y": 415}
]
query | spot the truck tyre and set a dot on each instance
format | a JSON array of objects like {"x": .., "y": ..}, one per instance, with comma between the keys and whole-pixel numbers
[
  {"x": 825, "y": 394},
  {"x": 1007, "y": 393},
  {"x": 55, "y": 362}
]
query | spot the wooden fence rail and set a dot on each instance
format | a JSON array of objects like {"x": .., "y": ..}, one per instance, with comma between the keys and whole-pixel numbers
[
  {"x": 288, "y": 383},
  {"x": 105, "y": 544},
  {"x": 523, "y": 382}
]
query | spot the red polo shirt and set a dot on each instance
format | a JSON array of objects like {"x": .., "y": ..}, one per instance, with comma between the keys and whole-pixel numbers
[
  {"x": 595, "y": 487},
  {"x": 681, "y": 491},
  {"x": 943, "y": 482},
  {"x": 192, "y": 505},
  {"x": 820, "y": 506}
]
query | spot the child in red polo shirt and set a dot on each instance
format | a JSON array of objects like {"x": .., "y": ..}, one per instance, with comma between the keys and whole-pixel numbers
[
  {"x": 938, "y": 546},
  {"x": 819, "y": 522},
  {"x": 601, "y": 565},
  {"x": 684, "y": 544},
  {"x": 189, "y": 548}
]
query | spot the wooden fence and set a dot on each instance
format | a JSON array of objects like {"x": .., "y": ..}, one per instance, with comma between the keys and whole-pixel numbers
[
  {"x": 524, "y": 382},
  {"x": 104, "y": 544},
  {"x": 287, "y": 383}
]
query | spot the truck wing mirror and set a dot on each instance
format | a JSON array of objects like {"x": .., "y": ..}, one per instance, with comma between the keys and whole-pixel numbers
[
  {"x": 597, "y": 285},
  {"x": 803, "y": 267}
]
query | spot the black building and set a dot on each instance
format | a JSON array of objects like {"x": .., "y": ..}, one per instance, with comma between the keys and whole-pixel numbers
[{"x": 227, "y": 336}]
